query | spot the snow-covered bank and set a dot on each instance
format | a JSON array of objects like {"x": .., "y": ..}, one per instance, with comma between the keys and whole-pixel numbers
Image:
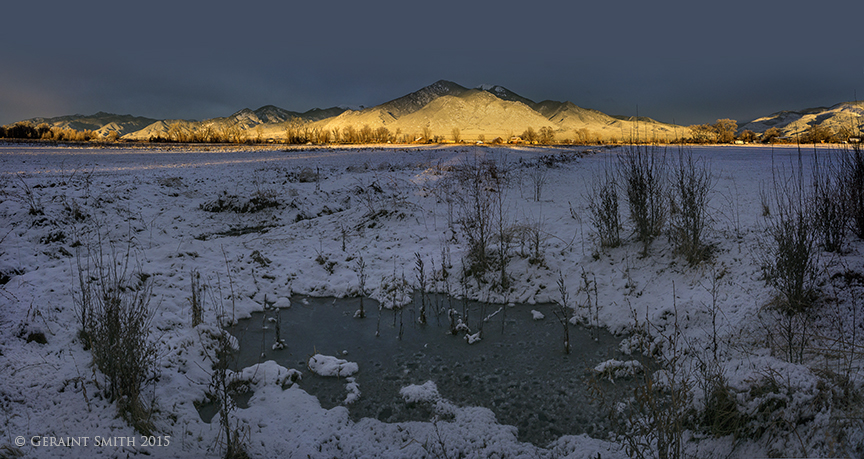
[{"x": 315, "y": 215}]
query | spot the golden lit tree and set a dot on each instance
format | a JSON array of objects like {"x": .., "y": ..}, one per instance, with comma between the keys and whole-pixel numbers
[{"x": 726, "y": 129}]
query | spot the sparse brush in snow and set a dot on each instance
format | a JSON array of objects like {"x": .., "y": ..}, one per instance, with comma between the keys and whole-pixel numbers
[
  {"x": 642, "y": 171},
  {"x": 831, "y": 200},
  {"x": 603, "y": 207},
  {"x": 224, "y": 384},
  {"x": 692, "y": 183},
  {"x": 114, "y": 306},
  {"x": 790, "y": 258},
  {"x": 852, "y": 166}
]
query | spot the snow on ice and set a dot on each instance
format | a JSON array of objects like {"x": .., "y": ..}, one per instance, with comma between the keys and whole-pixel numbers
[{"x": 325, "y": 365}]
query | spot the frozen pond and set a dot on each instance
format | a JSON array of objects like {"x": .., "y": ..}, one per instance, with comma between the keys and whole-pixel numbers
[{"x": 518, "y": 370}]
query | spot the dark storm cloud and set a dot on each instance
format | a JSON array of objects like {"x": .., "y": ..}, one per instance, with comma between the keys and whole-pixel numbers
[{"x": 689, "y": 61}]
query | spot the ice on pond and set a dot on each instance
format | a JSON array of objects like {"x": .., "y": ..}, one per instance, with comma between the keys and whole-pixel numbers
[{"x": 518, "y": 370}]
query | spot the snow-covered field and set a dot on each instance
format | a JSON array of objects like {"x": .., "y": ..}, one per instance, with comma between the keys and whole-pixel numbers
[{"x": 179, "y": 212}]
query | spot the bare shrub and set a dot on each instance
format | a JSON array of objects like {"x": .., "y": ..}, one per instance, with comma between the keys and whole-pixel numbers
[
  {"x": 546, "y": 135},
  {"x": 764, "y": 201},
  {"x": 220, "y": 349},
  {"x": 260, "y": 200},
  {"x": 830, "y": 204},
  {"x": 719, "y": 414},
  {"x": 456, "y": 134},
  {"x": 535, "y": 235},
  {"x": 34, "y": 202},
  {"x": 689, "y": 220},
  {"x": 641, "y": 169},
  {"x": 114, "y": 312},
  {"x": 852, "y": 167},
  {"x": 224, "y": 385},
  {"x": 781, "y": 412},
  {"x": 539, "y": 175},
  {"x": 843, "y": 314},
  {"x": 789, "y": 258},
  {"x": 505, "y": 235},
  {"x": 651, "y": 422},
  {"x": 603, "y": 208},
  {"x": 427, "y": 135},
  {"x": 792, "y": 271},
  {"x": 479, "y": 181}
]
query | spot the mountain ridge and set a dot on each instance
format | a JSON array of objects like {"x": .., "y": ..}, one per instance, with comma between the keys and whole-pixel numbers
[
  {"x": 845, "y": 118},
  {"x": 491, "y": 111},
  {"x": 100, "y": 122},
  {"x": 448, "y": 110}
]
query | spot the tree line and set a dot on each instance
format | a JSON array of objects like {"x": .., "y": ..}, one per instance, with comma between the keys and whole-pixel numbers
[
  {"x": 726, "y": 131},
  {"x": 297, "y": 132},
  {"x": 42, "y": 131}
]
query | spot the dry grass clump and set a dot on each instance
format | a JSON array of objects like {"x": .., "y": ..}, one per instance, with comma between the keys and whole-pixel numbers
[{"x": 114, "y": 311}]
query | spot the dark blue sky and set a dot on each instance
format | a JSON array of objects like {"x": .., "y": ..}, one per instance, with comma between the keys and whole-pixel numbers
[{"x": 685, "y": 61}]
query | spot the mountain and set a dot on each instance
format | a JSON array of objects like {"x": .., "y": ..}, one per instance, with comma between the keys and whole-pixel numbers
[
  {"x": 846, "y": 118},
  {"x": 273, "y": 114},
  {"x": 413, "y": 102},
  {"x": 268, "y": 121},
  {"x": 474, "y": 113},
  {"x": 491, "y": 111},
  {"x": 386, "y": 114},
  {"x": 440, "y": 109},
  {"x": 505, "y": 94},
  {"x": 103, "y": 123},
  {"x": 317, "y": 114},
  {"x": 590, "y": 123}
]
